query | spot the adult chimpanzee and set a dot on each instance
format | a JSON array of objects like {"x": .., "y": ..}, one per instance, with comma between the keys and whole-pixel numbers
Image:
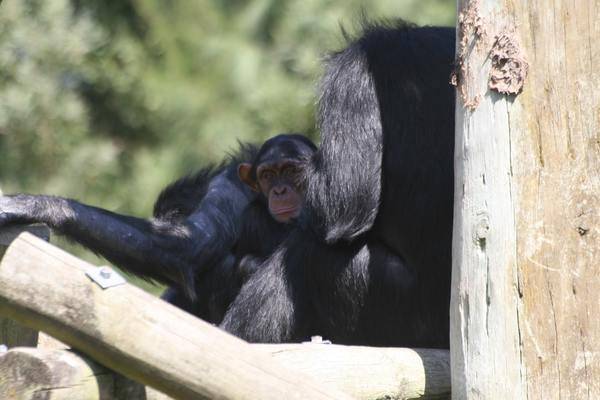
[
  {"x": 380, "y": 185},
  {"x": 369, "y": 261}
]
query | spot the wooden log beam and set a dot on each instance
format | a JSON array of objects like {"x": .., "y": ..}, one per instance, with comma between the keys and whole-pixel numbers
[
  {"x": 137, "y": 334},
  {"x": 363, "y": 372},
  {"x": 370, "y": 372}
]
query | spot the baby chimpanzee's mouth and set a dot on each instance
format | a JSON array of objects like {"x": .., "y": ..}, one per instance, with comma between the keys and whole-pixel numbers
[{"x": 285, "y": 210}]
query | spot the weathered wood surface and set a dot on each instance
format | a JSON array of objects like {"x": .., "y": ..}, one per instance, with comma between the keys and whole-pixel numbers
[
  {"x": 138, "y": 335},
  {"x": 526, "y": 256},
  {"x": 369, "y": 372},
  {"x": 30, "y": 374},
  {"x": 11, "y": 333},
  {"x": 363, "y": 372}
]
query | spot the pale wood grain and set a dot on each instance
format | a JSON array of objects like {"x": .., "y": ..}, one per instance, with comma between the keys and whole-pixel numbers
[
  {"x": 32, "y": 373},
  {"x": 29, "y": 373},
  {"x": 370, "y": 372},
  {"x": 526, "y": 252}
]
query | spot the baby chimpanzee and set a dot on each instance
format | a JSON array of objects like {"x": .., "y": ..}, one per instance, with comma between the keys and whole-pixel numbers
[{"x": 273, "y": 176}]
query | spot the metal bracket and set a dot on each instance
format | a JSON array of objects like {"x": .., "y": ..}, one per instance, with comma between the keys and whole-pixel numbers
[
  {"x": 105, "y": 277},
  {"x": 318, "y": 340}
]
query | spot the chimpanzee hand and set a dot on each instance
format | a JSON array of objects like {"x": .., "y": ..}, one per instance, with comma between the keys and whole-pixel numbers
[{"x": 17, "y": 209}]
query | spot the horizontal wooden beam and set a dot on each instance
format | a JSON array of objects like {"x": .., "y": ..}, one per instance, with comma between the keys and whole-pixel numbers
[
  {"x": 137, "y": 334},
  {"x": 363, "y": 372},
  {"x": 370, "y": 372}
]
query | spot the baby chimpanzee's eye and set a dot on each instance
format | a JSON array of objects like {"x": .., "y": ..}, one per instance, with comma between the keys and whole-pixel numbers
[
  {"x": 290, "y": 171},
  {"x": 267, "y": 175}
]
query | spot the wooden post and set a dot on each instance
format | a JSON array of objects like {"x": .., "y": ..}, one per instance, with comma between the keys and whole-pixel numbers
[
  {"x": 137, "y": 334},
  {"x": 11, "y": 333},
  {"x": 526, "y": 253}
]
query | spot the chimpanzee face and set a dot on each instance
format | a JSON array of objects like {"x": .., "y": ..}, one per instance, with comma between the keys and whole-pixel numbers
[
  {"x": 279, "y": 183},
  {"x": 275, "y": 174}
]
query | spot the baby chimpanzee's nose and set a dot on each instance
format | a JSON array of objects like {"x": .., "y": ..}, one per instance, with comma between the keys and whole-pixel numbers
[{"x": 280, "y": 190}]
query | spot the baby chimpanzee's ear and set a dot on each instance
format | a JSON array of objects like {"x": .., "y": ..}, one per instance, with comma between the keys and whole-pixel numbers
[{"x": 245, "y": 174}]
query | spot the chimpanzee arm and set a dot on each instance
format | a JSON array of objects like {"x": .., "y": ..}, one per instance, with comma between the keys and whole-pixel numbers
[
  {"x": 126, "y": 241},
  {"x": 168, "y": 251},
  {"x": 343, "y": 179},
  {"x": 273, "y": 303},
  {"x": 216, "y": 222},
  {"x": 351, "y": 293}
]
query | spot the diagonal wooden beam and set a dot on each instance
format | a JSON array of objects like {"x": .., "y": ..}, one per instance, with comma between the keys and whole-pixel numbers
[{"x": 137, "y": 334}]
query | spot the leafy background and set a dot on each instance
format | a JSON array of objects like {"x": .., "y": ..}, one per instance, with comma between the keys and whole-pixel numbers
[{"x": 108, "y": 101}]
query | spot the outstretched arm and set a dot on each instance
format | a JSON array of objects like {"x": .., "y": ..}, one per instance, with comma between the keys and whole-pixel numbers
[{"x": 170, "y": 251}]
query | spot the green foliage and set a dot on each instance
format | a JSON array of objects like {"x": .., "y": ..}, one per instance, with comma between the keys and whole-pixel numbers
[{"x": 107, "y": 101}]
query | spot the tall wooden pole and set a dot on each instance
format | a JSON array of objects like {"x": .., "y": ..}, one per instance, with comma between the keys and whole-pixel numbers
[{"x": 525, "y": 310}]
